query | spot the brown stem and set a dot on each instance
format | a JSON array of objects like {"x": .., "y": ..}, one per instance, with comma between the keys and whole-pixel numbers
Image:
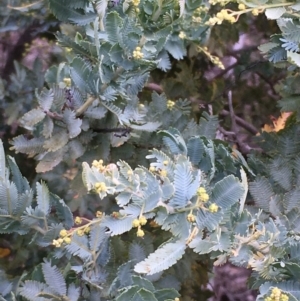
[
  {"x": 241, "y": 122},
  {"x": 16, "y": 51}
]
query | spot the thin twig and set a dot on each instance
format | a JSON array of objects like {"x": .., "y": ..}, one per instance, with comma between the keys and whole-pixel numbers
[
  {"x": 244, "y": 148},
  {"x": 154, "y": 87},
  {"x": 241, "y": 122}
]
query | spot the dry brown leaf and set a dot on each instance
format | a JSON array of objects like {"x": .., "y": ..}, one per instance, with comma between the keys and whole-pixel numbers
[{"x": 278, "y": 124}]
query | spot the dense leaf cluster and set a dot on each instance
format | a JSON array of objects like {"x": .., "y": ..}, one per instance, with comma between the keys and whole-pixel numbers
[{"x": 164, "y": 192}]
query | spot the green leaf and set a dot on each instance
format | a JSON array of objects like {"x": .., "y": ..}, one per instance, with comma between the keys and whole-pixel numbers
[
  {"x": 127, "y": 294},
  {"x": 161, "y": 259},
  {"x": 63, "y": 10},
  {"x": 63, "y": 211},
  {"x": 31, "y": 289},
  {"x": 274, "y": 12},
  {"x": 43, "y": 198},
  {"x": 143, "y": 295},
  {"x": 227, "y": 192},
  {"x": 182, "y": 181},
  {"x": 166, "y": 293},
  {"x": 80, "y": 72},
  {"x": 45, "y": 99},
  {"x": 143, "y": 283},
  {"x": 113, "y": 23},
  {"x": 57, "y": 141},
  {"x": 73, "y": 292},
  {"x": 8, "y": 196},
  {"x": 208, "y": 125},
  {"x": 28, "y": 146},
  {"x": 97, "y": 236},
  {"x": 20, "y": 182},
  {"x": 262, "y": 192},
  {"x": 173, "y": 139},
  {"x": 31, "y": 118},
  {"x": 73, "y": 123},
  {"x": 195, "y": 150},
  {"x": 118, "y": 226},
  {"x": 54, "y": 279}
]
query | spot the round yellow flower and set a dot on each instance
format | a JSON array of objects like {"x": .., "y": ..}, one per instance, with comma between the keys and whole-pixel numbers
[
  {"x": 63, "y": 233},
  {"x": 135, "y": 223},
  {"x": 80, "y": 232},
  {"x": 143, "y": 220},
  {"x": 140, "y": 233},
  {"x": 78, "y": 220},
  {"x": 213, "y": 208},
  {"x": 67, "y": 240}
]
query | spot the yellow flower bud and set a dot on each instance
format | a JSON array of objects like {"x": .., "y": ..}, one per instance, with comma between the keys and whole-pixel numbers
[
  {"x": 67, "y": 240},
  {"x": 63, "y": 233},
  {"x": 135, "y": 223},
  {"x": 140, "y": 233},
  {"x": 80, "y": 232},
  {"x": 191, "y": 218},
  {"x": 201, "y": 190},
  {"x": 78, "y": 220},
  {"x": 56, "y": 243},
  {"x": 242, "y": 6},
  {"x": 87, "y": 230},
  {"x": 213, "y": 208},
  {"x": 255, "y": 12},
  {"x": 152, "y": 169},
  {"x": 204, "y": 197},
  {"x": 143, "y": 220}
]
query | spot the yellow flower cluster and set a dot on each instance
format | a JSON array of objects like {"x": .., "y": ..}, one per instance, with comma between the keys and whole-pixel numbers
[
  {"x": 99, "y": 165},
  {"x": 197, "y": 14},
  {"x": 170, "y": 104},
  {"x": 137, "y": 53},
  {"x": 100, "y": 187},
  {"x": 137, "y": 223},
  {"x": 213, "y": 208},
  {"x": 242, "y": 6},
  {"x": 182, "y": 35},
  {"x": 202, "y": 9},
  {"x": 277, "y": 295},
  {"x": 202, "y": 194},
  {"x": 81, "y": 232},
  {"x": 191, "y": 218},
  {"x": 67, "y": 81},
  {"x": 214, "y": 59},
  {"x": 221, "y": 16},
  {"x": 136, "y": 2},
  {"x": 196, "y": 19},
  {"x": 64, "y": 238},
  {"x": 255, "y": 12}
]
